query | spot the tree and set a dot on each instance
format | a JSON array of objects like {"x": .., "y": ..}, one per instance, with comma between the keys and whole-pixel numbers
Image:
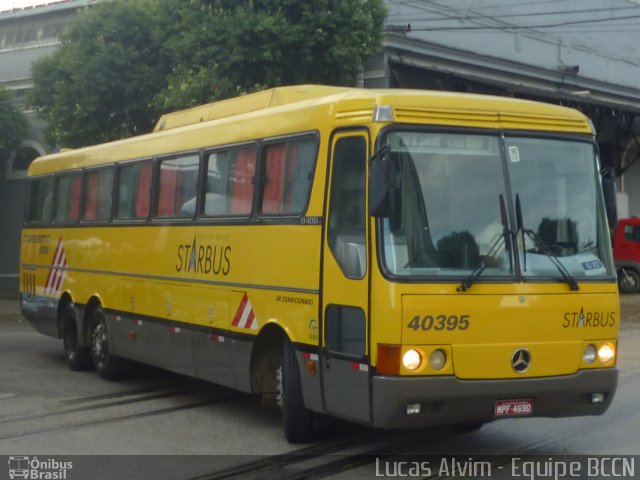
[
  {"x": 121, "y": 63},
  {"x": 250, "y": 45},
  {"x": 13, "y": 124},
  {"x": 99, "y": 85}
]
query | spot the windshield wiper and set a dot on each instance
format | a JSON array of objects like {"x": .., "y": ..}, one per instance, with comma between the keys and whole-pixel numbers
[
  {"x": 543, "y": 247},
  {"x": 494, "y": 248}
]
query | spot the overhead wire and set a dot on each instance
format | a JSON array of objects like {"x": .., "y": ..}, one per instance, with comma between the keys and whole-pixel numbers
[
  {"x": 531, "y": 14},
  {"x": 453, "y": 14}
]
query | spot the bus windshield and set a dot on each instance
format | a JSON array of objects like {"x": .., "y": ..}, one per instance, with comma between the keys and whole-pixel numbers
[{"x": 450, "y": 213}]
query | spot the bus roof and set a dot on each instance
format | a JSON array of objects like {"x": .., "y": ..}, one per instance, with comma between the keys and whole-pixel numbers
[{"x": 237, "y": 119}]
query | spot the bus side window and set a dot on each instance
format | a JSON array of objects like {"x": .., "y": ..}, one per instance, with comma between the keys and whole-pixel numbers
[
  {"x": 274, "y": 178},
  {"x": 134, "y": 190},
  {"x": 98, "y": 190},
  {"x": 143, "y": 190},
  {"x": 242, "y": 182},
  {"x": 229, "y": 185},
  {"x": 67, "y": 197},
  {"x": 40, "y": 198},
  {"x": 347, "y": 215},
  {"x": 178, "y": 187},
  {"x": 288, "y": 175}
]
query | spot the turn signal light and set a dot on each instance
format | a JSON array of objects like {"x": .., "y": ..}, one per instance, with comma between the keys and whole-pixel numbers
[{"x": 389, "y": 359}]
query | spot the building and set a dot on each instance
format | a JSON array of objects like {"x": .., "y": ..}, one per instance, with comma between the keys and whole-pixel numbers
[{"x": 579, "y": 53}]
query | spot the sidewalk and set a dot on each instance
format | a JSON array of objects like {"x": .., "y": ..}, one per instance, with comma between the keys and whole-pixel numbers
[{"x": 9, "y": 307}]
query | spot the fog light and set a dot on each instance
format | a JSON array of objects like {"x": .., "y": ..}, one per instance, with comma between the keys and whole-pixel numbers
[
  {"x": 606, "y": 353},
  {"x": 412, "y": 359},
  {"x": 597, "y": 397},
  {"x": 413, "y": 408},
  {"x": 437, "y": 359},
  {"x": 589, "y": 354}
]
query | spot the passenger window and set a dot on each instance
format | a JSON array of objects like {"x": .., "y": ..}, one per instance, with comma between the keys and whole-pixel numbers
[
  {"x": 98, "y": 191},
  {"x": 345, "y": 331},
  {"x": 230, "y": 180},
  {"x": 347, "y": 206},
  {"x": 178, "y": 186},
  {"x": 40, "y": 198},
  {"x": 288, "y": 174},
  {"x": 67, "y": 198},
  {"x": 134, "y": 190}
]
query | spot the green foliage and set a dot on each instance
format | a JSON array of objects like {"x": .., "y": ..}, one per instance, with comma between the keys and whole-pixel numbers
[
  {"x": 99, "y": 84},
  {"x": 13, "y": 124},
  {"x": 122, "y": 63}
]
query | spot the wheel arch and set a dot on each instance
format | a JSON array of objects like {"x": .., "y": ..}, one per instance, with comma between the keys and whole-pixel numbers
[{"x": 266, "y": 355}]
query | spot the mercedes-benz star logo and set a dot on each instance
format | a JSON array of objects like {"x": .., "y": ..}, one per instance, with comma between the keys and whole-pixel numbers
[{"x": 521, "y": 360}]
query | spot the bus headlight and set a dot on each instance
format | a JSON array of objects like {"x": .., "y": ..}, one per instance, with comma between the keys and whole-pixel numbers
[
  {"x": 606, "y": 353},
  {"x": 412, "y": 359},
  {"x": 589, "y": 354},
  {"x": 437, "y": 359}
]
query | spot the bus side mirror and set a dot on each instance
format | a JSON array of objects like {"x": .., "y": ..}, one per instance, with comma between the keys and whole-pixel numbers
[
  {"x": 379, "y": 185},
  {"x": 609, "y": 191}
]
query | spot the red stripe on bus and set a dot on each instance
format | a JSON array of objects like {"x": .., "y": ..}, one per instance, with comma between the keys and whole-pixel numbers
[
  {"x": 239, "y": 312},
  {"x": 47, "y": 284},
  {"x": 60, "y": 276},
  {"x": 250, "y": 320}
]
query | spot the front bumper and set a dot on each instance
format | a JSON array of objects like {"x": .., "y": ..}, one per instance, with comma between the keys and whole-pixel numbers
[{"x": 448, "y": 400}]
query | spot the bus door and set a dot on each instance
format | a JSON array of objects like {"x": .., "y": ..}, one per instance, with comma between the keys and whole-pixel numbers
[{"x": 345, "y": 362}]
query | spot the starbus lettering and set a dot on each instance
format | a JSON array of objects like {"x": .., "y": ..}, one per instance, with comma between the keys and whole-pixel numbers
[
  {"x": 589, "y": 319},
  {"x": 203, "y": 258}
]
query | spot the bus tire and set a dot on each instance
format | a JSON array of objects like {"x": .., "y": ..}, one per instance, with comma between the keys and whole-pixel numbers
[
  {"x": 108, "y": 366},
  {"x": 77, "y": 356},
  {"x": 628, "y": 280},
  {"x": 297, "y": 421}
]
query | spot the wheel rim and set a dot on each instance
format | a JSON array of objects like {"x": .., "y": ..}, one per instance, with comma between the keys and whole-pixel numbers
[
  {"x": 628, "y": 282},
  {"x": 280, "y": 388},
  {"x": 99, "y": 343}
]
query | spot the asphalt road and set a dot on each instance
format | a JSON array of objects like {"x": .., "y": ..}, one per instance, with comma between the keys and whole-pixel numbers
[{"x": 156, "y": 424}]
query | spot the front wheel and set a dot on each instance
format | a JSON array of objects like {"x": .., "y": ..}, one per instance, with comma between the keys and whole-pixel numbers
[
  {"x": 628, "y": 280},
  {"x": 108, "y": 366},
  {"x": 297, "y": 421}
]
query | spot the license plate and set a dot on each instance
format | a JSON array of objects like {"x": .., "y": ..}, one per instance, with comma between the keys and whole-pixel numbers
[{"x": 514, "y": 408}]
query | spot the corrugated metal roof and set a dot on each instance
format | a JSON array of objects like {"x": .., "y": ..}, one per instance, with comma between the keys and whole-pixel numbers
[{"x": 12, "y": 14}]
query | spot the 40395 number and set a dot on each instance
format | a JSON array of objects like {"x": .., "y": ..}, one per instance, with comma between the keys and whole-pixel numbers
[{"x": 440, "y": 322}]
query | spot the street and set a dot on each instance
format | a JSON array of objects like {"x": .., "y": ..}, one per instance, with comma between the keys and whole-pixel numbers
[{"x": 48, "y": 410}]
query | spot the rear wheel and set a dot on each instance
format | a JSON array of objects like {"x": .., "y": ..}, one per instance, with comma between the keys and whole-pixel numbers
[
  {"x": 297, "y": 421},
  {"x": 108, "y": 366},
  {"x": 628, "y": 280},
  {"x": 78, "y": 357}
]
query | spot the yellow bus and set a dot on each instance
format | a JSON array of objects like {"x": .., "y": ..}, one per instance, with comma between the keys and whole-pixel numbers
[{"x": 398, "y": 258}]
